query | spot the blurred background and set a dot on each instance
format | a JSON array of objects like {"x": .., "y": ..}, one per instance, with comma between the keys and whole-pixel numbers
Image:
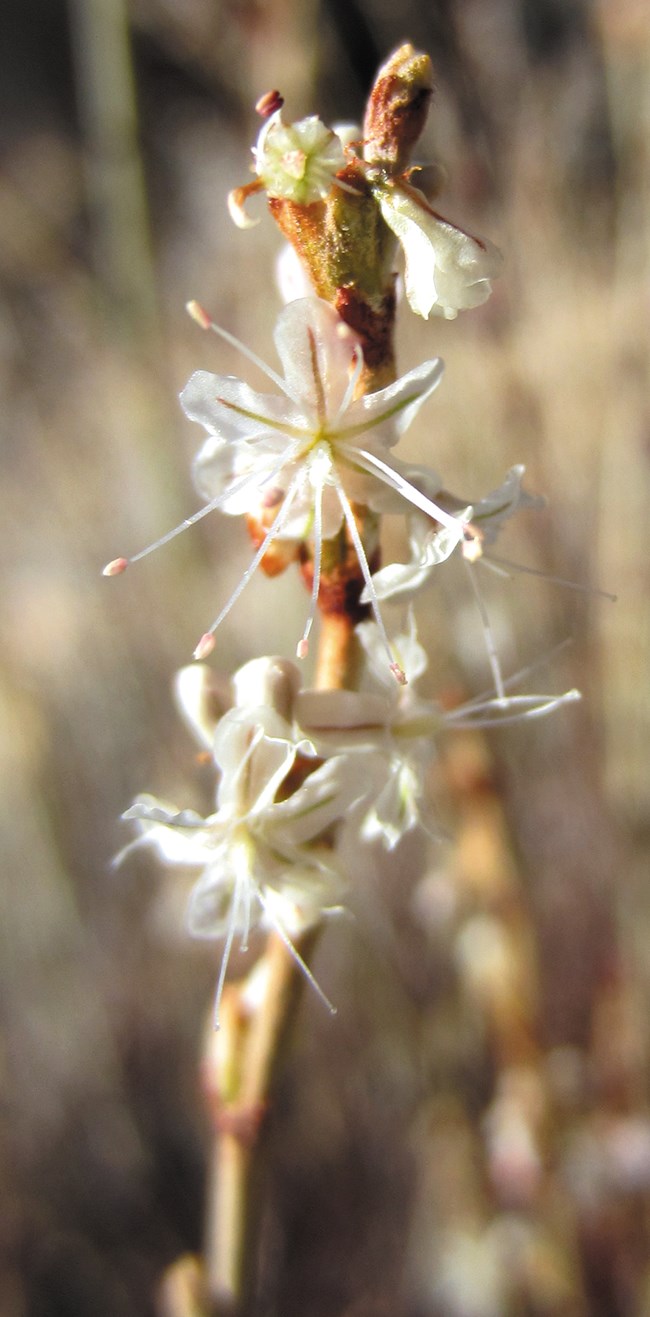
[{"x": 470, "y": 1137}]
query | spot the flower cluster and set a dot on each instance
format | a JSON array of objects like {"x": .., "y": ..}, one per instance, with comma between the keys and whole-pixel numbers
[
  {"x": 312, "y": 469},
  {"x": 265, "y": 855},
  {"x": 297, "y": 770},
  {"x": 447, "y": 269}
]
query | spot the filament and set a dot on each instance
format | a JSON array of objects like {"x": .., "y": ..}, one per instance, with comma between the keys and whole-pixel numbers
[
  {"x": 395, "y": 668},
  {"x": 252, "y": 567},
  {"x": 488, "y": 635},
  {"x": 195, "y": 310}
]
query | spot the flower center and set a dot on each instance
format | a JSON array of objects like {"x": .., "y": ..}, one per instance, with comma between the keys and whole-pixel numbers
[{"x": 294, "y": 163}]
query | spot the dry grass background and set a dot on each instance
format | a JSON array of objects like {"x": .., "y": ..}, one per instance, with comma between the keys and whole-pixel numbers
[{"x": 493, "y": 994}]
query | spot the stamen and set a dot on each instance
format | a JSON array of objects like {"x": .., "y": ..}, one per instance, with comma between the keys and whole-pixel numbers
[
  {"x": 351, "y": 389},
  {"x": 184, "y": 525},
  {"x": 488, "y": 635},
  {"x": 236, "y": 202},
  {"x": 230, "y": 935},
  {"x": 116, "y": 567},
  {"x": 529, "y": 706},
  {"x": 269, "y": 104},
  {"x": 200, "y": 315},
  {"x": 472, "y": 548},
  {"x": 282, "y": 934},
  {"x": 520, "y": 675},
  {"x": 497, "y": 563},
  {"x": 247, "y": 914},
  {"x": 397, "y": 671},
  {"x": 373, "y": 464},
  {"x": 119, "y": 565},
  {"x": 252, "y": 567},
  {"x": 205, "y": 646},
  {"x": 347, "y": 187},
  {"x": 302, "y": 648}
]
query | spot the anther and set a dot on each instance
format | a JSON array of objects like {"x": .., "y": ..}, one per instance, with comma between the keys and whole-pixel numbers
[
  {"x": 116, "y": 567},
  {"x": 197, "y": 312},
  {"x": 205, "y": 646},
  {"x": 269, "y": 104},
  {"x": 472, "y": 548}
]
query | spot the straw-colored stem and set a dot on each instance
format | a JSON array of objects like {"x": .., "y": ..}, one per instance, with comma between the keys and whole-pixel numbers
[{"x": 239, "y": 1070}]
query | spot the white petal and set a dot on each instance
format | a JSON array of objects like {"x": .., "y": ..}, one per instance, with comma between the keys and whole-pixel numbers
[
  {"x": 407, "y": 578},
  {"x": 447, "y": 270},
  {"x": 341, "y": 710},
  {"x": 395, "y": 810},
  {"x": 306, "y": 891},
  {"x": 502, "y": 503},
  {"x": 411, "y": 656},
  {"x": 317, "y": 350},
  {"x": 323, "y": 799},
  {"x": 271, "y": 681},
  {"x": 291, "y": 276},
  {"x": 230, "y": 409},
  {"x": 254, "y": 749},
  {"x": 199, "y": 701},
  {"x": 210, "y": 908},
  {"x": 350, "y": 721},
  {"x": 383, "y": 416},
  {"x": 179, "y": 836}
]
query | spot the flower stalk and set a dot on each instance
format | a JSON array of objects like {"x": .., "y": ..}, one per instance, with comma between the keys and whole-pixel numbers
[{"x": 238, "y": 1071}]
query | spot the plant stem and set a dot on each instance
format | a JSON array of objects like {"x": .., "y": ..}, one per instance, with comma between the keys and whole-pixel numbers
[
  {"x": 338, "y": 653},
  {"x": 240, "y": 1065}
]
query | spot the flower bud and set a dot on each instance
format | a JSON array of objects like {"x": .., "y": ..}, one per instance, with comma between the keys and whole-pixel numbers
[
  {"x": 270, "y": 681},
  {"x": 397, "y": 109}
]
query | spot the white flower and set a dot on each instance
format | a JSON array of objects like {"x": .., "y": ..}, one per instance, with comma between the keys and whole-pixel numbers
[
  {"x": 295, "y": 162},
  {"x": 298, "y": 161},
  {"x": 395, "y": 731},
  {"x": 447, "y": 270},
  {"x": 315, "y": 441},
  {"x": 263, "y": 856},
  {"x": 296, "y": 461},
  {"x": 392, "y": 728},
  {"x": 304, "y": 458},
  {"x": 430, "y": 544}
]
